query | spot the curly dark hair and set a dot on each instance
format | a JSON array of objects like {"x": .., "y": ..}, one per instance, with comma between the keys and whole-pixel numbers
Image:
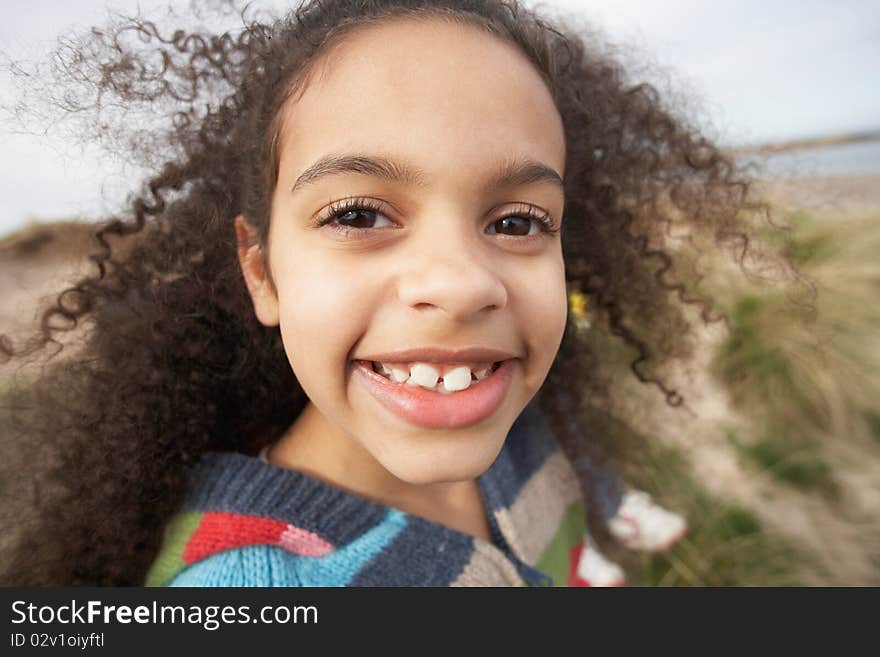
[{"x": 174, "y": 362}]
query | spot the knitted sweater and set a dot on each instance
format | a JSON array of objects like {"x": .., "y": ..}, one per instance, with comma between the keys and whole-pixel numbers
[{"x": 246, "y": 522}]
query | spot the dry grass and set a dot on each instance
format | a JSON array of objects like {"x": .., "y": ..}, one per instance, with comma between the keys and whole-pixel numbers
[
  {"x": 819, "y": 375},
  {"x": 782, "y": 414}
]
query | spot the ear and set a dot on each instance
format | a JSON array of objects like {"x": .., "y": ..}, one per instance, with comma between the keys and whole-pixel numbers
[{"x": 253, "y": 266}]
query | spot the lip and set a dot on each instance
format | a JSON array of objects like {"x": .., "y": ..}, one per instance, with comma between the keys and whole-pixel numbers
[
  {"x": 441, "y": 355},
  {"x": 435, "y": 410}
]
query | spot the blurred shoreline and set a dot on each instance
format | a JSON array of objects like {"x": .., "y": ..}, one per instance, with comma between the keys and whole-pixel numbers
[
  {"x": 818, "y": 161},
  {"x": 827, "y": 141}
]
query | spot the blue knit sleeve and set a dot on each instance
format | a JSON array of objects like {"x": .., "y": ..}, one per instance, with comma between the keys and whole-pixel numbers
[{"x": 257, "y": 565}]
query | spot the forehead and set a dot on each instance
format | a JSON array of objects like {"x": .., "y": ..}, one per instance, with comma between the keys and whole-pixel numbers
[{"x": 431, "y": 91}]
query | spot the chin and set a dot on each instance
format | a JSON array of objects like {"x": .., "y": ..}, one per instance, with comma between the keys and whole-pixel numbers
[{"x": 438, "y": 464}]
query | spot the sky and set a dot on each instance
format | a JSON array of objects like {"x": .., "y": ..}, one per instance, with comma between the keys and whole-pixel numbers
[{"x": 755, "y": 71}]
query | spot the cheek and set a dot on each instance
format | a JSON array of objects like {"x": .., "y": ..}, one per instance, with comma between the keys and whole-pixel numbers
[
  {"x": 543, "y": 308},
  {"x": 322, "y": 311}
]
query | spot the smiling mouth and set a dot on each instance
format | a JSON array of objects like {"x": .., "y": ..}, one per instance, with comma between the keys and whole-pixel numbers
[{"x": 427, "y": 402}]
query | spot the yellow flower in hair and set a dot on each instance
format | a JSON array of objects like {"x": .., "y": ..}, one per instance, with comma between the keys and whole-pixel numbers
[{"x": 577, "y": 303}]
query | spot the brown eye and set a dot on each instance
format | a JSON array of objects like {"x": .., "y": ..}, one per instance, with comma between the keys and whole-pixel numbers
[
  {"x": 357, "y": 218},
  {"x": 354, "y": 216},
  {"x": 515, "y": 225}
]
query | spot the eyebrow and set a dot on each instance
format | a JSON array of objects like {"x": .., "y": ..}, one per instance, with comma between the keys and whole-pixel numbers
[{"x": 513, "y": 173}]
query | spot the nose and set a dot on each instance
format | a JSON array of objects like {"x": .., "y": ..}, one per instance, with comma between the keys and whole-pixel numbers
[{"x": 455, "y": 278}]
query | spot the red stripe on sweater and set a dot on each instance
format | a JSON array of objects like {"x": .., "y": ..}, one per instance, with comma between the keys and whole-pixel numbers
[
  {"x": 220, "y": 531},
  {"x": 574, "y": 560}
]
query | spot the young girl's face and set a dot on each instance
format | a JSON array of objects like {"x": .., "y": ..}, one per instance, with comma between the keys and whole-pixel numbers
[{"x": 415, "y": 172}]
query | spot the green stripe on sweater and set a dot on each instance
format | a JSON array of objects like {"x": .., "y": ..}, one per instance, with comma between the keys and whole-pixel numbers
[
  {"x": 554, "y": 560},
  {"x": 169, "y": 562}
]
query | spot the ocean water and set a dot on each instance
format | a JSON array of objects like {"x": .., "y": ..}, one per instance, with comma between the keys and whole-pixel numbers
[{"x": 849, "y": 159}]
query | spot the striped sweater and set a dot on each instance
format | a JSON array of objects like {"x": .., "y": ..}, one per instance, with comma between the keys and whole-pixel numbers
[{"x": 246, "y": 522}]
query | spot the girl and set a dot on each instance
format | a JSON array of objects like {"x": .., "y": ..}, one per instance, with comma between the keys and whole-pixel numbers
[{"x": 330, "y": 345}]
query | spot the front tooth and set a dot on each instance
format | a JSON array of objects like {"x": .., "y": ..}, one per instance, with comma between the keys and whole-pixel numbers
[
  {"x": 457, "y": 379},
  {"x": 423, "y": 375}
]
